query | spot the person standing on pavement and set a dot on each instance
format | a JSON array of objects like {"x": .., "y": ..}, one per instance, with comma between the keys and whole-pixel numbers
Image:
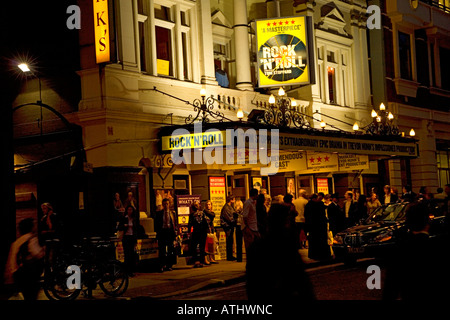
[
  {"x": 228, "y": 223},
  {"x": 50, "y": 224},
  {"x": 287, "y": 199},
  {"x": 238, "y": 207},
  {"x": 129, "y": 240},
  {"x": 198, "y": 223},
  {"x": 261, "y": 214},
  {"x": 250, "y": 231},
  {"x": 209, "y": 213},
  {"x": 349, "y": 209},
  {"x": 166, "y": 232},
  {"x": 317, "y": 224},
  {"x": 275, "y": 269},
  {"x": 300, "y": 204},
  {"x": 335, "y": 216},
  {"x": 372, "y": 203},
  {"x": 388, "y": 196}
]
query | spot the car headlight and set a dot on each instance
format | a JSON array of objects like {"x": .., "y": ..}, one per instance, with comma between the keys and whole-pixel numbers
[{"x": 386, "y": 236}]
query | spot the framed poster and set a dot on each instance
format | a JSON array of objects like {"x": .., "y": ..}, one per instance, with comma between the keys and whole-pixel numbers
[
  {"x": 257, "y": 183},
  {"x": 218, "y": 196},
  {"x": 284, "y": 53},
  {"x": 290, "y": 186},
  {"x": 184, "y": 203}
]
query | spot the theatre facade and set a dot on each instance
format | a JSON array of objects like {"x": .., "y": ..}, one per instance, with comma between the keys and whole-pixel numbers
[
  {"x": 181, "y": 99},
  {"x": 195, "y": 78}
]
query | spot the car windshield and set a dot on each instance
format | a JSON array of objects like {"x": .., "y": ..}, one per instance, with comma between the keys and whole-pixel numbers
[{"x": 393, "y": 212}]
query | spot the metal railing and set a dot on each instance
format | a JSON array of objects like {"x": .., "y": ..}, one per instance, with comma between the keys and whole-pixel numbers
[{"x": 442, "y": 5}]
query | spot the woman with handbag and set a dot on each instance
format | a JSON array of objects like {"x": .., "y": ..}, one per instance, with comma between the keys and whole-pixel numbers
[{"x": 210, "y": 237}]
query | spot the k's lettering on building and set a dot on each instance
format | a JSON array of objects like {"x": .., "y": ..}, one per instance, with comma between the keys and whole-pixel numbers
[{"x": 101, "y": 30}]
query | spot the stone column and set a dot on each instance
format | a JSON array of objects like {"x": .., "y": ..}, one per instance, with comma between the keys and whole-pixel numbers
[
  {"x": 424, "y": 168},
  {"x": 206, "y": 46},
  {"x": 273, "y": 8},
  {"x": 360, "y": 62},
  {"x": 240, "y": 27}
]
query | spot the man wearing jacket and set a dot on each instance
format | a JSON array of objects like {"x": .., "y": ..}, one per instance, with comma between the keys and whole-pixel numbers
[
  {"x": 228, "y": 223},
  {"x": 166, "y": 232}
]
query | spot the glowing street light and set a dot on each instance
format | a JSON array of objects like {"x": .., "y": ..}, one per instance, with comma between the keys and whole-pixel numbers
[{"x": 24, "y": 67}]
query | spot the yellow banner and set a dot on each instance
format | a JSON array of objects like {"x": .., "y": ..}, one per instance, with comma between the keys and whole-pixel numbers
[
  {"x": 353, "y": 162},
  {"x": 322, "y": 162},
  {"x": 101, "y": 29},
  {"x": 282, "y": 51}
]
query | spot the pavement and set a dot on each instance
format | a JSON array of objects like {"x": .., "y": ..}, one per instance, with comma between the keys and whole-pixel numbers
[{"x": 150, "y": 284}]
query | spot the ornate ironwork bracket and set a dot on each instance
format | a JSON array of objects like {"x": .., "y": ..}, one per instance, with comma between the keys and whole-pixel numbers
[
  {"x": 282, "y": 114},
  {"x": 204, "y": 108}
]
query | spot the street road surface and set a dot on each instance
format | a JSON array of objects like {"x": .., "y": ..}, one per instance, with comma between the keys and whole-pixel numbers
[{"x": 335, "y": 283}]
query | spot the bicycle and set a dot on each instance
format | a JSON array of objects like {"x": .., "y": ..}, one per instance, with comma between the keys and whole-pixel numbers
[{"x": 94, "y": 257}]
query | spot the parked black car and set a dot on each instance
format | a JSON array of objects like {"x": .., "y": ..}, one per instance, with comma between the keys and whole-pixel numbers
[{"x": 379, "y": 233}]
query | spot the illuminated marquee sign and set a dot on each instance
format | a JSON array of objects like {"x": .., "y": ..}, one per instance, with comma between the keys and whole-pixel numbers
[
  {"x": 101, "y": 29},
  {"x": 194, "y": 140},
  {"x": 283, "y": 54}
]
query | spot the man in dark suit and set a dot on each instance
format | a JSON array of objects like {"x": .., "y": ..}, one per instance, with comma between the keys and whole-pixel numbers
[
  {"x": 388, "y": 196},
  {"x": 349, "y": 209},
  {"x": 166, "y": 232},
  {"x": 335, "y": 216}
]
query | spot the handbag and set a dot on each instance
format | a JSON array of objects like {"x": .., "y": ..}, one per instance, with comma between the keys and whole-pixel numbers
[
  {"x": 210, "y": 242},
  {"x": 330, "y": 238}
]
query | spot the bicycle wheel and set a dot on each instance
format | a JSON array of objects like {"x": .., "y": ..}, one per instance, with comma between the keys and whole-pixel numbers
[
  {"x": 55, "y": 285},
  {"x": 114, "y": 279}
]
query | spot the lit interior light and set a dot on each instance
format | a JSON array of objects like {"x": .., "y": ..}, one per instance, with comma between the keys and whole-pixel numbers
[{"x": 412, "y": 133}]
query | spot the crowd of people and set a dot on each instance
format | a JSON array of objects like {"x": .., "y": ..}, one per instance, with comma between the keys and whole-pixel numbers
[{"x": 272, "y": 230}]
